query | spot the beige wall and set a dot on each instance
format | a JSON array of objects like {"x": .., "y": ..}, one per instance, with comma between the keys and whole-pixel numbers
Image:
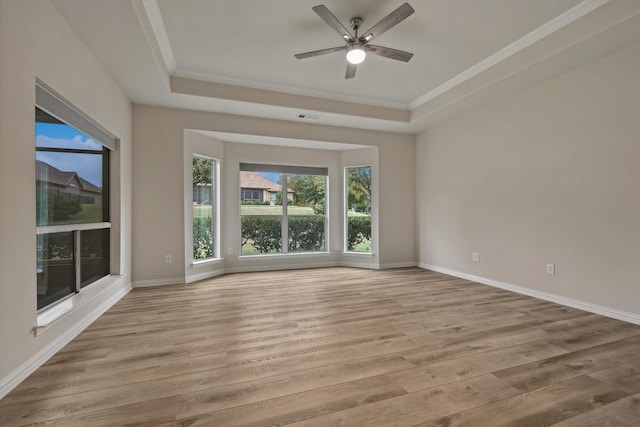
[
  {"x": 159, "y": 216},
  {"x": 35, "y": 42},
  {"x": 549, "y": 175}
]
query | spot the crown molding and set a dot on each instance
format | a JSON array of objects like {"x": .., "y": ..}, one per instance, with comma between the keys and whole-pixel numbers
[{"x": 522, "y": 43}]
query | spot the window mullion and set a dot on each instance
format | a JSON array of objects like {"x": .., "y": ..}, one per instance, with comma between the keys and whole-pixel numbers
[
  {"x": 214, "y": 209},
  {"x": 324, "y": 214},
  {"x": 76, "y": 255},
  {"x": 285, "y": 214}
]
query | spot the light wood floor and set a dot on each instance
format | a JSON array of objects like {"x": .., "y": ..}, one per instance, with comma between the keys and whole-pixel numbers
[{"x": 337, "y": 347}]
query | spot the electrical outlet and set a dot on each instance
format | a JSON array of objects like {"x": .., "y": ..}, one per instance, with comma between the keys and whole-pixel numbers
[
  {"x": 551, "y": 268},
  {"x": 475, "y": 256},
  {"x": 168, "y": 259}
]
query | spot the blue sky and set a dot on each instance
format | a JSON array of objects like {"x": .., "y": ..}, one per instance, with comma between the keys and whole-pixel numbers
[
  {"x": 88, "y": 166},
  {"x": 275, "y": 177}
]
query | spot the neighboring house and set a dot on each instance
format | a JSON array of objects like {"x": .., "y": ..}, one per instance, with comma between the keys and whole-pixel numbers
[
  {"x": 202, "y": 194},
  {"x": 256, "y": 188},
  {"x": 66, "y": 184}
]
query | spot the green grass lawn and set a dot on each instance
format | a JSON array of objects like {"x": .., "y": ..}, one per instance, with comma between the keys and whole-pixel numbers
[
  {"x": 205, "y": 210},
  {"x": 363, "y": 247},
  {"x": 202, "y": 211},
  {"x": 89, "y": 213},
  {"x": 274, "y": 210},
  {"x": 351, "y": 213}
]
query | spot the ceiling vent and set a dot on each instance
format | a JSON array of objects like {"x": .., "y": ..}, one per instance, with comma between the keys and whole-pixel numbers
[{"x": 308, "y": 116}]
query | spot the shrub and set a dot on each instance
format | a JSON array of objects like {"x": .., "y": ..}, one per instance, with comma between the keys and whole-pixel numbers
[
  {"x": 202, "y": 238},
  {"x": 55, "y": 246},
  {"x": 64, "y": 208},
  {"x": 358, "y": 230},
  {"x": 265, "y": 234},
  {"x": 306, "y": 234}
]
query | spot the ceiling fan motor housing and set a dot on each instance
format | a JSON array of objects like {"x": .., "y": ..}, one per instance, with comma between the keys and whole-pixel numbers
[{"x": 355, "y": 24}]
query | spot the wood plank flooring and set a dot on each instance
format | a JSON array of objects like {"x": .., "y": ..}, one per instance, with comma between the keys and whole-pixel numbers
[{"x": 337, "y": 347}]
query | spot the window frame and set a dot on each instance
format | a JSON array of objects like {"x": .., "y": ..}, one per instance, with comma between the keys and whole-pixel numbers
[
  {"x": 215, "y": 213},
  {"x": 53, "y": 104},
  {"x": 284, "y": 171},
  {"x": 345, "y": 232}
]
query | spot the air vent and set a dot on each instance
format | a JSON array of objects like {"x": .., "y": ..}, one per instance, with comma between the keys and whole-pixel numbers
[{"x": 308, "y": 116}]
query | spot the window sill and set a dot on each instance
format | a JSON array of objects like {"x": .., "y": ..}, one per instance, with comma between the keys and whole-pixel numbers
[
  {"x": 206, "y": 262},
  {"x": 359, "y": 254},
  {"x": 53, "y": 314},
  {"x": 281, "y": 255}
]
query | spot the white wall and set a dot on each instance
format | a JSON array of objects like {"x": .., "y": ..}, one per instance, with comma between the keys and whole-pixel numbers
[
  {"x": 549, "y": 175},
  {"x": 35, "y": 42},
  {"x": 158, "y": 187}
]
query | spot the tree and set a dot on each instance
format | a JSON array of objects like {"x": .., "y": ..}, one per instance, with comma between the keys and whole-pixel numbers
[
  {"x": 202, "y": 171},
  {"x": 359, "y": 186},
  {"x": 309, "y": 190}
]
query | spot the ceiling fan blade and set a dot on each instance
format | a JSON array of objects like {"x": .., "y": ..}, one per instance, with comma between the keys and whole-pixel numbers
[
  {"x": 351, "y": 71},
  {"x": 320, "y": 52},
  {"x": 387, "y": 52},
  {"x": 333, "y": 22},
  {"x": 391, "y": 20}
]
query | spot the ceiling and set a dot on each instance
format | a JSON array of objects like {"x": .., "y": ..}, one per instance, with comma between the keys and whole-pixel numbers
[{"x": 237, "y": 56}]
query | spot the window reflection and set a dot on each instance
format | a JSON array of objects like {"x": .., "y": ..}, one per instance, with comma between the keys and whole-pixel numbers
[{"x": 55, "y": 267}]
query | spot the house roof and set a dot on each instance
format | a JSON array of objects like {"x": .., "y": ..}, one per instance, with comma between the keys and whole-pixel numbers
[
  {"x": 257, "y": 181},
  {"x": 52, "y": 175}
]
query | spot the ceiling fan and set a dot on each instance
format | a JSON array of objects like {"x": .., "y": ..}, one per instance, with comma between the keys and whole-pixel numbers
[{"x": 358, "y": 46}]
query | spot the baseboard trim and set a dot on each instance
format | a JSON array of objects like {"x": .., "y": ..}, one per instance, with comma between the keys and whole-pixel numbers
[
  {"x": 257, "y": 268},
  {"x": 570, "y": 302},
  {"x": 19, "y": 374},
  {"x": 158, "y": 282},
  {"x": 206, "y": 275},
  {"x": 398, "y": 265},
  {"x": 368, "y": 265}
]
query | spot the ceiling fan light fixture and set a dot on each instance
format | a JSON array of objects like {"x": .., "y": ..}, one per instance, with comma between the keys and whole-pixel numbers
[{"x": 356, "y": 54}]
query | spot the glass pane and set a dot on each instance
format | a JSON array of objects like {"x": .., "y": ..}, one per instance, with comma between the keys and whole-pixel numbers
[
  {"x": 306, "y": 194},
  {"x": 55, "y": 268},
  {"x": 66, "y": 197},
  {"x": 260, "y": 193},
  {"x": 52, "y": 133},
  {"x": 203, "y": 206},
  {"x": 306, "y": 233},
  {"x": 359, "y": 209},
  {"x": 261, "y": 235},
  {"x": 94, "y": 255},
  {"x": 306, "y": 225},
  {"x": 69, "y": 174}
]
